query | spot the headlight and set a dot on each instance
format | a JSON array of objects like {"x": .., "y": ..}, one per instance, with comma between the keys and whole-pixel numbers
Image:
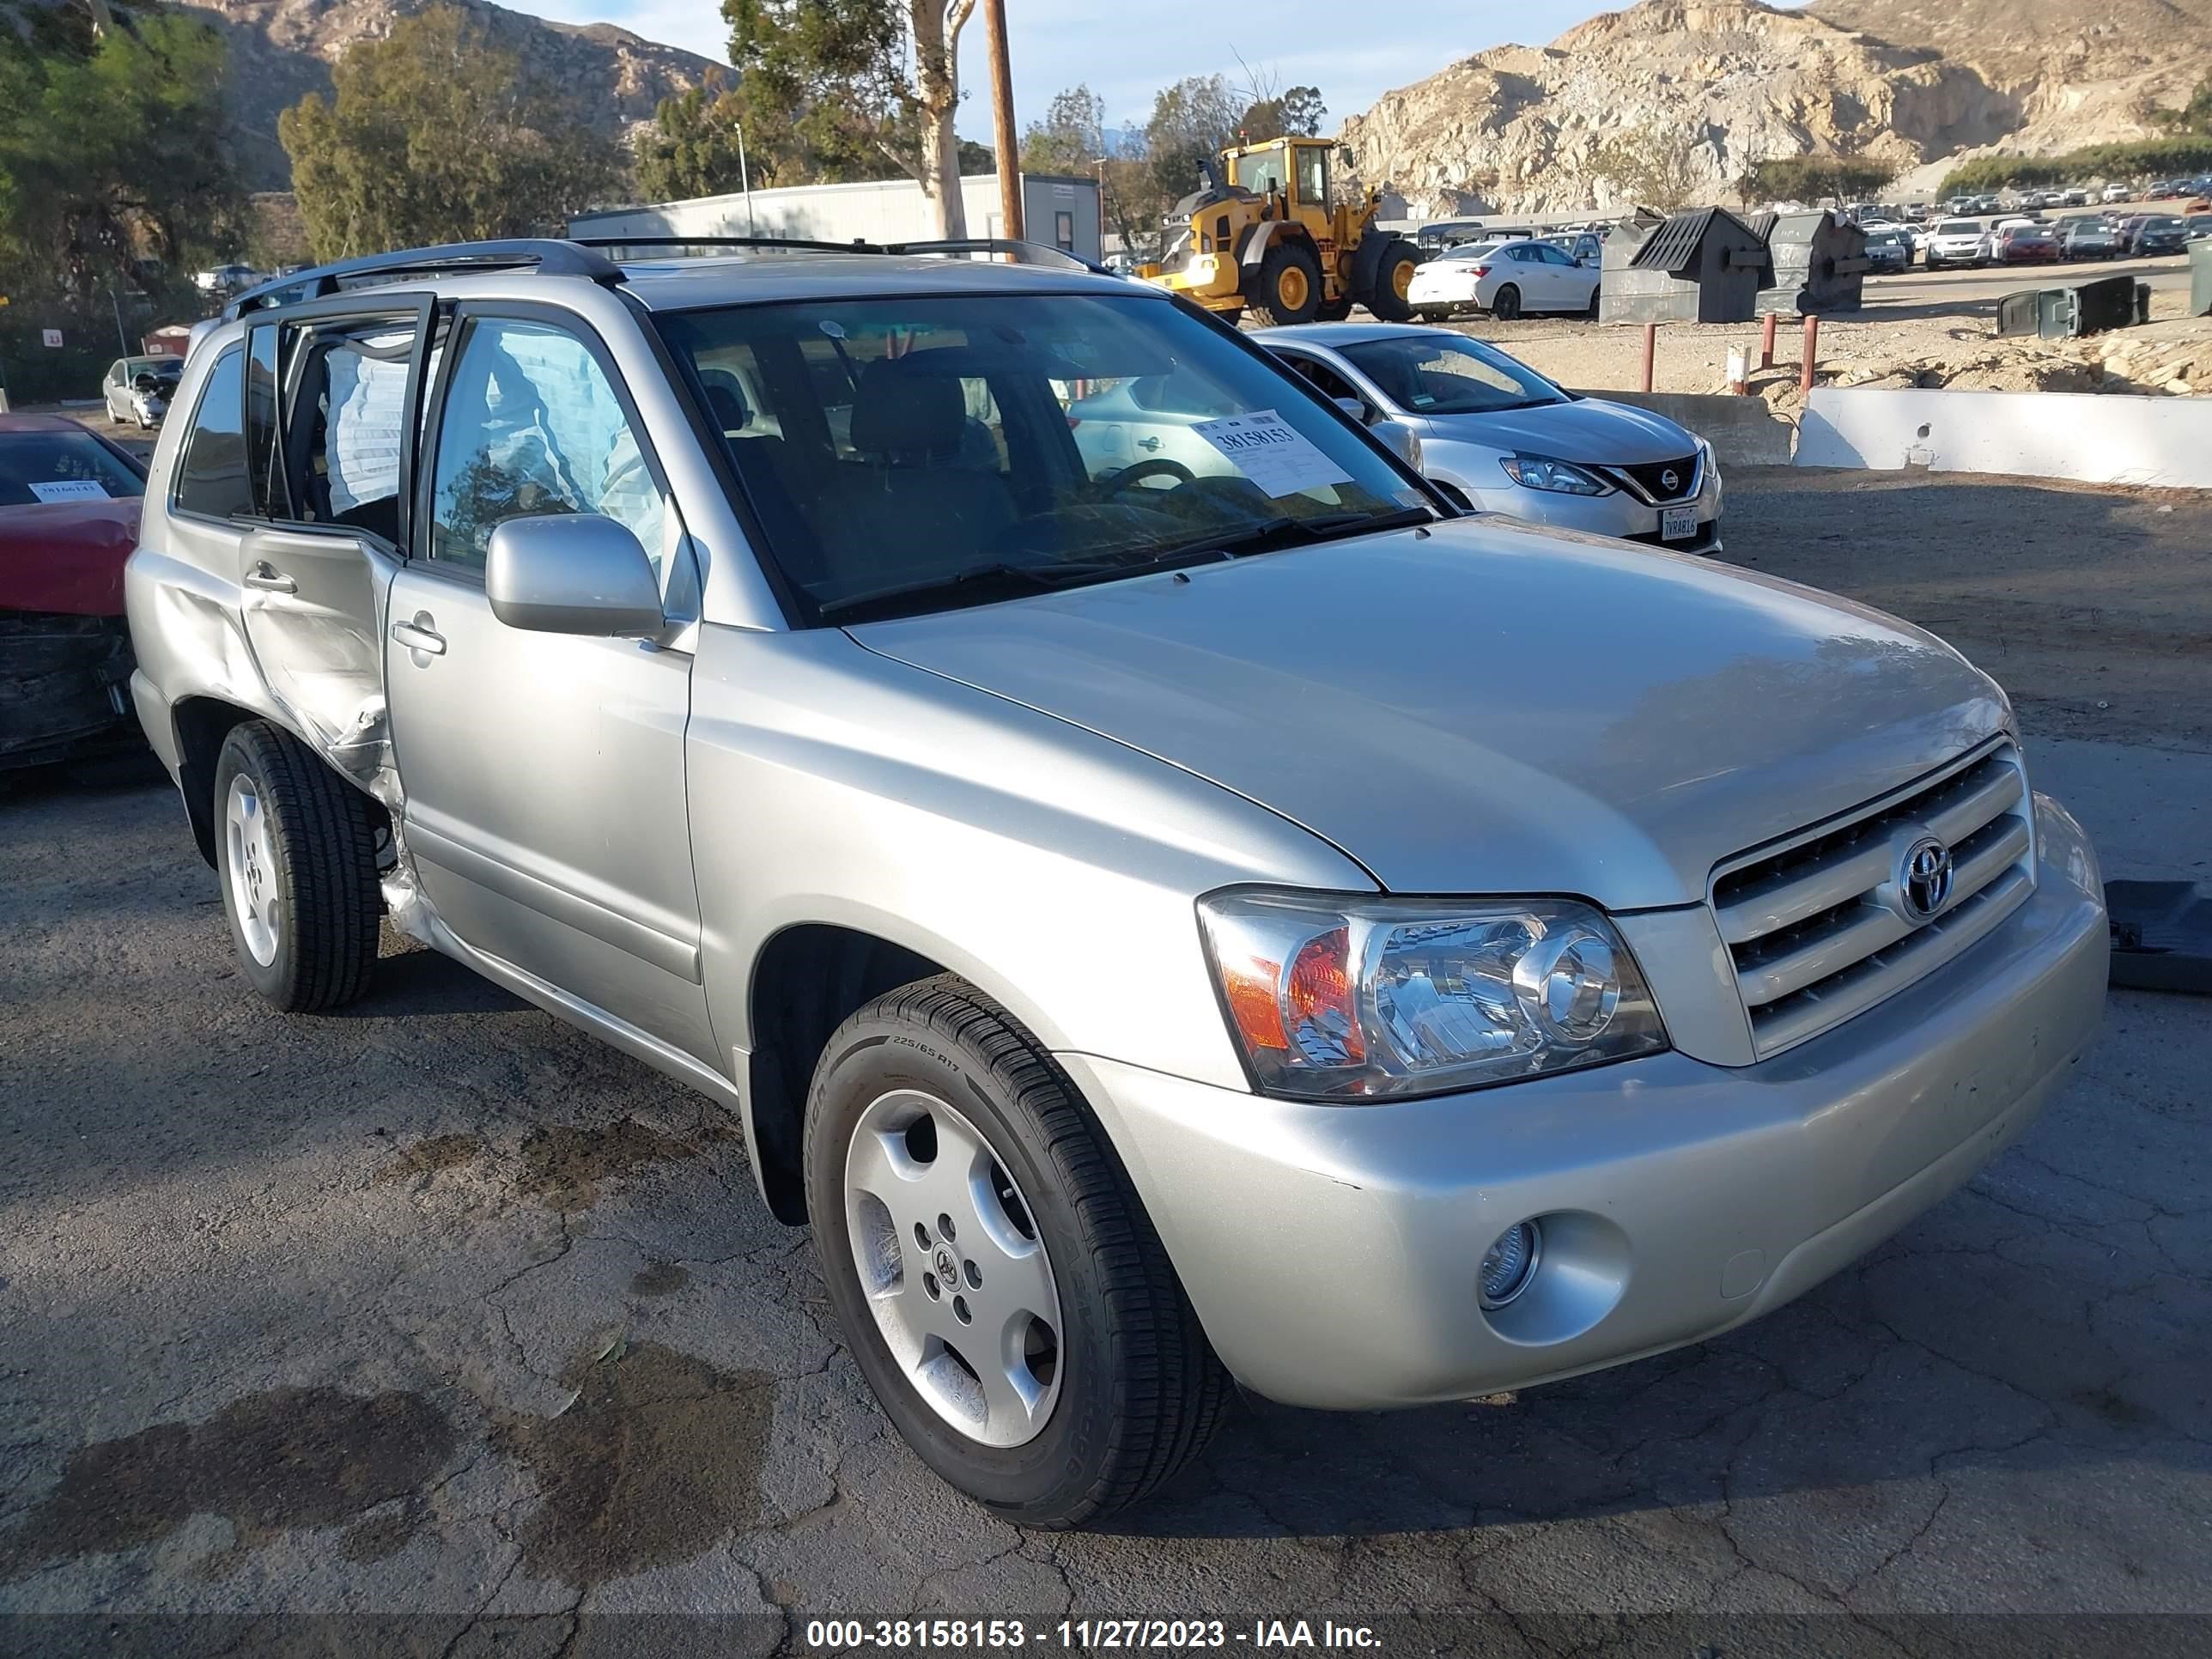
[
  {"x": 1342, "y": 998},
  {"x": 1559, "y": 477}
]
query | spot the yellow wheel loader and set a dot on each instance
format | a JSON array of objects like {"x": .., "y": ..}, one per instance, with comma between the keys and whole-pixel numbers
[{"x": 1261, "y": 235}]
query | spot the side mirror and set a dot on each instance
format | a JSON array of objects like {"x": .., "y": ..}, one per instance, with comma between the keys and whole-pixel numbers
[
  {"x": 572, "y": 573},
  {"x": 1352, "y": 407},
  {"x": 1399, "y": 440}
]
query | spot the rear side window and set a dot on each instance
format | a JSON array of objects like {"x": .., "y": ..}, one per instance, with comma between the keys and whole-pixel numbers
[{"x": 211, "y": 478}]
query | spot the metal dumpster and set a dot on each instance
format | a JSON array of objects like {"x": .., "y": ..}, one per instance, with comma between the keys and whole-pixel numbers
[
  {"x": 2064, "y": 313},
  {"x": 1701, "y": 267},
  {"x": 2200, "y": 278},
  {"x": 1816, "y": 263}
]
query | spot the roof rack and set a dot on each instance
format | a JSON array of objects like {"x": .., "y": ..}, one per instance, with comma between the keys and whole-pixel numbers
[
  {"x": 582, "y": 256},
  {"x": 1025, "y": 253},
  {"x": 554, "y": 256}
]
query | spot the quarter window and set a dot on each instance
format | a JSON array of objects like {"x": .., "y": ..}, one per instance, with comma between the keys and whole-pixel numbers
[
  {"x": 211, "y": 477},
  {"x": 532, "y": 426}
]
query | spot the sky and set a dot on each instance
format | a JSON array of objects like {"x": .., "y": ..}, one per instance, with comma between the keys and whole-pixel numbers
[{"x": 1126, "y": 50}]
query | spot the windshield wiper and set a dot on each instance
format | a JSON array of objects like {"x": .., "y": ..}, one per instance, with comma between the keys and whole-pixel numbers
[
  {"x": 1280, "y": 533},
  {"x": 978, "y": 584}
]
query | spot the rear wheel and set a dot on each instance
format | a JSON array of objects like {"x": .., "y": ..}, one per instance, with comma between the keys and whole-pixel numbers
[
  {"x": 1590, "y": 311},
  {"x": 1333, "y": 311},
  {"x": 993, "y": 1270},
  {"x": 1505, "y": 305},
  {"x": 295, "y": 849},
  {"x": 1286, "y": 288}
]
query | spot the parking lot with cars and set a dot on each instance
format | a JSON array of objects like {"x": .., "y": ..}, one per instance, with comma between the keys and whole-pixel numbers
[{"x": 438, "y": 1305}]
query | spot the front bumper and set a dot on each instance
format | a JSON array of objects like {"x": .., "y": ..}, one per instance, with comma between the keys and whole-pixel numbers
[
  {"x": 1616, "y": 514},
  {"x": 1332, "y": 1251}
]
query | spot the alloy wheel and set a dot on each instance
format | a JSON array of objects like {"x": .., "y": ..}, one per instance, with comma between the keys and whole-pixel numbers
[{"x": 953, "y": 1267}]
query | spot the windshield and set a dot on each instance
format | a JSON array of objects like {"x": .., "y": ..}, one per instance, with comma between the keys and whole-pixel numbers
[
  {"x": 1473, "y": 251},
  {"x": 1450, "y": 374},
  {"x": 1960, "y": 227},
  {"x": 909, "y": 455},
  {"x": 38, "y": 467}
]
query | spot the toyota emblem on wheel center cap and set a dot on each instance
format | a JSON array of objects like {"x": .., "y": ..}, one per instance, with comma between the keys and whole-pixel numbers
[{"x": 1924, "y": 877}]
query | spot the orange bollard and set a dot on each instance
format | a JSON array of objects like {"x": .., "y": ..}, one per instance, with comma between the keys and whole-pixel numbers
[
  {"x": 1811, "y": 350},
  {"x": 1766, "y": 343},
  {"x": 1650, "y": 351}
]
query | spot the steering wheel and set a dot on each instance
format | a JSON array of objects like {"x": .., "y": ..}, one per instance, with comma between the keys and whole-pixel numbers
[{"x": 1129, "y": 476}]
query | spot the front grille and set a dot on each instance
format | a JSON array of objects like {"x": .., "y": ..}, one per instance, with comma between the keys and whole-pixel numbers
[
  {"x": 1648, "y": 478},
  {"x": 1815, "y": 926}
]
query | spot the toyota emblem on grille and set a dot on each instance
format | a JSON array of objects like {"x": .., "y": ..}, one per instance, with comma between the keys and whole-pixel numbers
[
  {"x": 1670, "y": 481},
  {"x": 1924, "y": 877}
]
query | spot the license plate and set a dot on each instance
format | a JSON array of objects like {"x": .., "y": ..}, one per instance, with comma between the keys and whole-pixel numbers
[{"x": 1678, "y": 523}]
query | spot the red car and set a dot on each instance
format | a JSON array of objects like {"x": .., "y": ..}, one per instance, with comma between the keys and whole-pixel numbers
[
  {"x": 2026, "y": 245},
  {"x": 69, "y": 518}
]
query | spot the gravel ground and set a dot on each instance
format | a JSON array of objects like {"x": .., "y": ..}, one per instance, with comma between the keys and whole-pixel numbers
[
  {"x": 439, "y": 1314},
  {"x": 1940, "y": 329}
]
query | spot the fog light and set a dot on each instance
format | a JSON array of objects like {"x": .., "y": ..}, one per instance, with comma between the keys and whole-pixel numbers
[{"x": 1510, "y": 1263}]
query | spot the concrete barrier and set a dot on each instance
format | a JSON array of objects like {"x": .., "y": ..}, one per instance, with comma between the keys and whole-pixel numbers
[
  {"x": 2091, "y": 437},
  {"x": 1743, "y": 431}
]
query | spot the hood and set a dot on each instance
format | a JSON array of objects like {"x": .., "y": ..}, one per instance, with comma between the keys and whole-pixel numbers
[
  {"x": 1586, "y": 430},
  {"x": 1490, "y": 708},
  {"x": 66, "y": 556}
]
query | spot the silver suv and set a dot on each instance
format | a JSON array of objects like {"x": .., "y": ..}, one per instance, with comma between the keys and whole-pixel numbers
[{"x": 1158, "y": 924}]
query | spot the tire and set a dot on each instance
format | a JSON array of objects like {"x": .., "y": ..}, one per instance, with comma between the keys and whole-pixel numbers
[
  {"x": 295, "y": 853},
  {"x": 1129, "y": 1390},
  {"x": 1506, "y": 304},
  {"x": 1286, "y": 288},
  {"x": 1386, "y": 300},
  {"x": 1590, "y": 311},
  {"x": 1333, "y": 311}
]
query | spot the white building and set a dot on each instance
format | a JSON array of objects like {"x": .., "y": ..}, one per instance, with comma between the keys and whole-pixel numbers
[{"x": 1060, "y": 212}]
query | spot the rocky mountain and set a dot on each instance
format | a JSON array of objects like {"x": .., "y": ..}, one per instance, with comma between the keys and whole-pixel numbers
[
  {"x": 1518, "y": 129},
  {"x": 281, "y": 50}
]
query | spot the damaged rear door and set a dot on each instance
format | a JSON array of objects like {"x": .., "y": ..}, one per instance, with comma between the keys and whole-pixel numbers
[{"x": 331, "y": 395}]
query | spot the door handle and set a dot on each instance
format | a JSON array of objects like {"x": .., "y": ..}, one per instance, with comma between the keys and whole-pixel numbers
[
  {"x": 419, "y": 635},
  {"x": 1148, "y": 443},
  {"x": 269, "y": 579}
]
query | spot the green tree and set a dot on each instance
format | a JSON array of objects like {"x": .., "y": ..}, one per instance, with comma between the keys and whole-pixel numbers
[
  {"x": 1297, "y": 113},
  {"x": 1071, "y": 137},
  {"x": 436, "y": 134},
  {"x": 1813, "y": 178},
  {"x": 846, "y": 78},
  {"x": 115, "y": 166},
  {"x": 1191, "y": 120},
  {"x": 696, "y": 147},
  {"x": 1650, "y": 166}
]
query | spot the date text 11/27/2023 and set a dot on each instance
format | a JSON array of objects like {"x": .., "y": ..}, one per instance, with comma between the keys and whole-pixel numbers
[{"x": 1167, "y": 1634}]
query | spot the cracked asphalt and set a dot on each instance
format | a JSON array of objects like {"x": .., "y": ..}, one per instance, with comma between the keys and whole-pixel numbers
[{"x": 442, "y": 1319}]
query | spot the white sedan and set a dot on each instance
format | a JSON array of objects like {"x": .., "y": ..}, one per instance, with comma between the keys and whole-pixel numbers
[{"x": 1504, "y": 279}]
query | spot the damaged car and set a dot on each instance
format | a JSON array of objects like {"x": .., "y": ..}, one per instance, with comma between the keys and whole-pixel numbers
[
  {"x": 69, "y": 519},
  {"x": 1161, "y": 928}
]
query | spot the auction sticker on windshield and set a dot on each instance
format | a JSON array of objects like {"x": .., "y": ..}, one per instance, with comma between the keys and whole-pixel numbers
[
  {"x": 1272, "y": 452},
  {"x": 69, "y": 489}
]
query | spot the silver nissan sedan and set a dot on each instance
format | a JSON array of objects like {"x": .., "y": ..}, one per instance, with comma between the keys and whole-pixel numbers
[
  {"x": 1497, "y": 436},
  {"x": 1158, "y": 925}
]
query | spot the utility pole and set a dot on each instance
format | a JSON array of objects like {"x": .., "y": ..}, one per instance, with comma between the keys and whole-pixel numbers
[
  {"x": 745, "y": 182},
  {"x": 1002, "y": 119}
]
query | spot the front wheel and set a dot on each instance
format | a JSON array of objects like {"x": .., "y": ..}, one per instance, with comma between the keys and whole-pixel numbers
[
  {"x": 1506, "y": 305},
  {"x": 1286, "y": 288},
  {"x": 991, "y": 1268}
]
